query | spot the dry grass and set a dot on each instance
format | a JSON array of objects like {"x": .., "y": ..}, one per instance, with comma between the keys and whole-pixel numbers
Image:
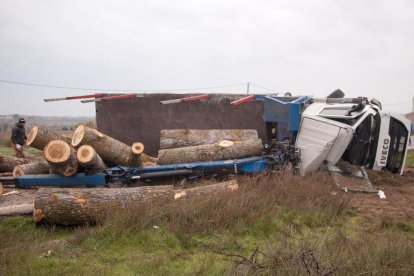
[
  {"x": 273, "y": 225},
  {"x": 5, "y": 138},
  {"x": 258, "y": 197}
]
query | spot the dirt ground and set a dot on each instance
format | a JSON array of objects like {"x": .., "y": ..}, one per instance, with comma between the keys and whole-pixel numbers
[
  {"x": 25, "y": 196},
  {"x": 399, "y": 203}
]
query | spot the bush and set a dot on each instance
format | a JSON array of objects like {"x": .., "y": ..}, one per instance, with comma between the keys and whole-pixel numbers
[{"x": 5, "y": 139}]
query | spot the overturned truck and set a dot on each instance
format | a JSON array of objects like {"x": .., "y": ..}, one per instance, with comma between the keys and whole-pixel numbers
[{"x": 317, "y": 129}]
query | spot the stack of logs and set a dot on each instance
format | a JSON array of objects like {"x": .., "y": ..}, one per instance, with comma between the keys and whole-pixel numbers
[
  {"x": 186, "y": 145},
  {"x": 88, "y": 150},
  {"x": 78, "y": 206},
  {"x": 92, "y": 151}
]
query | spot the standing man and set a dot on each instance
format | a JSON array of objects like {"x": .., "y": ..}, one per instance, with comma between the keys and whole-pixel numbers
[{"x": 18, "y": 137}]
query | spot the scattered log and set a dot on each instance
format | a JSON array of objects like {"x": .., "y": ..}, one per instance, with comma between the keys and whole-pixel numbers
[
  {"x": 79, "y": 206},
  {"x": 223, "y": 150},
  {"x": 12, "y": 193},
  {"x": 7, "y": 163},
  {"x": 108, "y": 148},
  {"x": 178, "y": 138},
  {"x": 1, "y": 189},
  {"x": 20, "y": 209},
  {"x": 40, "y": 167},
  {"x": 6, "y": 174},
  {"x": 39, "y": 137},
  {"x": 206, "y": 191},
  {"x": 89, "y": 159},
  {"x": 61, "y": 158},
  {"x": 138, "y": 158}
]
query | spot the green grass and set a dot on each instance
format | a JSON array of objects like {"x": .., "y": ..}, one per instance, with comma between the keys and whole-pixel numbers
[
  {"x": 410, "y": 158},
  {"x": 151, "y": 251},
  {"x": 298, "y": 227},
  {"x": 29, "y": 151}
]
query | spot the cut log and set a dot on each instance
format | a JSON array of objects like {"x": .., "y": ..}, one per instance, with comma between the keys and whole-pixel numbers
[
  {"x": 223, "y": 150},
  {"x": 6, "y": 174},
  {"x": 61, "y": 158},
  {"x": 39, "y": 137},
  {"x": 89, "y": 159},
  {"x": 20, "y": 209},
  {"x": 78, "y": 206},
  {"x": 41, "y": 167},
  {"x": 12, "y": 193},
  {"x": 108, "y": 148},
  {"x": 7, "y": 163},
  {"x": 206, "y": 191},
  {"x": 1, "y": 189},
  {"x": 137, "y": 148},
  {"x": 177, "y": 138}
]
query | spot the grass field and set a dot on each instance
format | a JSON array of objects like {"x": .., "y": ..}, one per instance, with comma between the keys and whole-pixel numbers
[
  {"x": 32, "y": 152},
  {"x": 410, "y": 158},
  {"x": 274, "y": 225}
]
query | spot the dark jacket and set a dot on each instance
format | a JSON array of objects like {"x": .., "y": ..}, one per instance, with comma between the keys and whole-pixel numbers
[{"x": 18, "y": 135}]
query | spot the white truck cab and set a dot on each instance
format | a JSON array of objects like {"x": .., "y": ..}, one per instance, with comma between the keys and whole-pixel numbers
[{"x": 354, "y": 130}]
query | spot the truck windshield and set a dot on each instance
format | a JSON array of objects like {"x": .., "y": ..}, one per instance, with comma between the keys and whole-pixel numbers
[
  {"x": 396, "y": 154},
  {"x": 363, "y": 144}
]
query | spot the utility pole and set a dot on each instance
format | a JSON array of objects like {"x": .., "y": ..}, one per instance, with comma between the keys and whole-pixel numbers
[
  {"x": 412, "y": 113},
  {"x": 248, "y": 88}
]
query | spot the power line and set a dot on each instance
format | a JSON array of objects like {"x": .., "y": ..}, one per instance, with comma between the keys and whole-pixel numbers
[
  {"x": 119, "y": 90},
  {"x": 262, "y": 87}
]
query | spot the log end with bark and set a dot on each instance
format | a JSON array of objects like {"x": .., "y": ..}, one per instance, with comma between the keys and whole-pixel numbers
[
  {"x": 7, "y": 163},
  {"x": 83, "y": 134},
  {"x": 32, "y": 135},
  {"x": 89, "y": 159},
  {"x": 41, "y": 167},
  {"x": 109, "y": 149},
  {"x": 61, "y": 158},
  {"x": 137, "y": 148},
  {"x": 77, "y": 136},
  {"x": 39, "y": 137}
]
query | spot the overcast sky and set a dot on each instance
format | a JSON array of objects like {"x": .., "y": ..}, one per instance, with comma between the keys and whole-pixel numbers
[{"x": 365, "y": 48}]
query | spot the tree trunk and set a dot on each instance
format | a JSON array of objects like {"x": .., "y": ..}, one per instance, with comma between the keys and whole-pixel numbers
[
  {"x": 78, "y": 206},
  {"x": 20, "y": 209},
  {"x": 108, "y": 148},
  {"x": 178, "y": 138},
  {"x": 61, "y": 158},
  {"x": 206, "y": 191},
  {"x": 41, "y": 167},
  {"x": 89, "y": 159},
  {"x": 6, "y": 174},
  {"x": 7, "y": 163},
  {"x": 39, "y": 137},
  {"x": 223, "y": 150}
]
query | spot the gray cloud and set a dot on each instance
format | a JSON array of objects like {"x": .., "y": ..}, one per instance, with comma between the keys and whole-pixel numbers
[{"x": 308, "y": 47}]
